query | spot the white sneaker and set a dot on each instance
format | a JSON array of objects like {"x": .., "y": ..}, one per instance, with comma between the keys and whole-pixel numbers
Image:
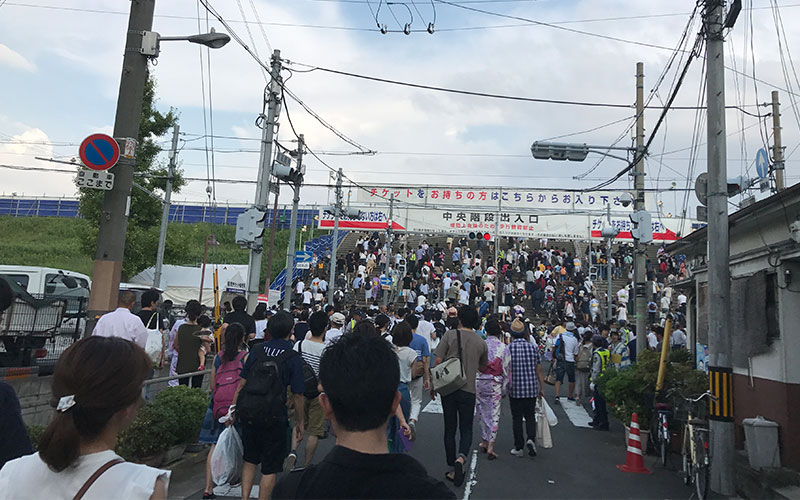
[
  {"x": 289, "y": 461},
  {"x": 517, "y": 453},
  {"x": 531, "y": 448}
]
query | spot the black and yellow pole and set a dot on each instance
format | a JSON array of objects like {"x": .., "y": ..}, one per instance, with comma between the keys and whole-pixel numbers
[
  {"x": 662, "y": 367},
  {"x": 720, "y": 383}
]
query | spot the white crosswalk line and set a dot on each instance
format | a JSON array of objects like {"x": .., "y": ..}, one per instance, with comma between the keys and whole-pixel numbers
[{"x": 577, "y": 413}]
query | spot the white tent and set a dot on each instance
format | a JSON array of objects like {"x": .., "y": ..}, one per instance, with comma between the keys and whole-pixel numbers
[{"x": 182, "y": 283}]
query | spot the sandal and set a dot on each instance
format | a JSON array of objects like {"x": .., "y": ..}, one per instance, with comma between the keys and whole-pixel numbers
[
  {"x": 458, "y": 473},
  {"x": 492, "y": 456},
  {"x": 450, "y": 476}
]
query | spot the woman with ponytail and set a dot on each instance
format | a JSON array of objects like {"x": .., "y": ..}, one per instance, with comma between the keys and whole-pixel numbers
[{"x": 97, "y": 387}]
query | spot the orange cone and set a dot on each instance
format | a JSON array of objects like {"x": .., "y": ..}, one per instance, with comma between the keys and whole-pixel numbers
[{"x": 633, "y": 459}]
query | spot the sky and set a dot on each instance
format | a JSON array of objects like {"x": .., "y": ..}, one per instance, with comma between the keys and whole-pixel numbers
[{"x": 60, "y": 63}]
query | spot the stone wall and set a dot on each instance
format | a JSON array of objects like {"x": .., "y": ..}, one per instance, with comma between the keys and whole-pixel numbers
[{"x": 34, "y": 399}]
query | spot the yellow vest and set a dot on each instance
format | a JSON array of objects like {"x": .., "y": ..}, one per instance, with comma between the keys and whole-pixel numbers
[{"x": 604, "y": 356}]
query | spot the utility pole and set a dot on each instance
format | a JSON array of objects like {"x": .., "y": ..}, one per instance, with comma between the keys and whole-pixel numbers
[
  {"x": 496, "y": 302},
  {"x": 107, "y": 267},
  {"x": 337, "y": 210},
  {"x": 639, "y": 249},
  {"x": 264, "y": 175},
  {"x": 388, "y": 249},
  {"x": 719, "y": 277},
  {"x": 272, "y": 230},
  {"x": 290, "y": 249},
  {"x": 777, "y": 150},
  {"x": 608, "y": 265},
  {"x": 162, "y": 237}
]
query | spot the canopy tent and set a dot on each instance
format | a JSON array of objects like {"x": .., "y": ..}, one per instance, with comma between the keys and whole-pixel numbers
[{"x": 182, "y": 283}]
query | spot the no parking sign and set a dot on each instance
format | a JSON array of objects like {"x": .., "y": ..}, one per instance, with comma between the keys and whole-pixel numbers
[{"x": 99, "y": 152}]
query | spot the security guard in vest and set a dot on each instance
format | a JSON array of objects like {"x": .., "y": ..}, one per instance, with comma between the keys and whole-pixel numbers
[{"x": 600, "y": 359}]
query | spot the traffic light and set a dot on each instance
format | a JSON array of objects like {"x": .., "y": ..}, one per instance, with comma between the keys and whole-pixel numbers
[
  {"x": 480, "y": 236},
  {"x": 250, "y": 226},
  {"x": 559, "y": 151},
  {"x": 642, "y": 226}
]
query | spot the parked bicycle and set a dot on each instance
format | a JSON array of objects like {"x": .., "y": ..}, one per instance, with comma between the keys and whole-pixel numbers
[
  {"x": 696, "y": 452},
  {"x": 659, "y": 431}
]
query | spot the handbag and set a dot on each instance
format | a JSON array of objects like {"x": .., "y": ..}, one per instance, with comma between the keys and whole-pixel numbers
[
  {"x": 448, "y": 377},
  {"x": 550, "y": 378},
  {"x": 155, "y": 343},
  {"x": 543, "y": 437}
]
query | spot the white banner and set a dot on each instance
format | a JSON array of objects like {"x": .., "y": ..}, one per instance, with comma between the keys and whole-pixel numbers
[{"x": 487, "y": 198}]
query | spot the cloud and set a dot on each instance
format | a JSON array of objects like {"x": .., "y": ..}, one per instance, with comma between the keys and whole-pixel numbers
[
  {"x": 15, "y": 60},
  {"x": 20, "y": 150}
]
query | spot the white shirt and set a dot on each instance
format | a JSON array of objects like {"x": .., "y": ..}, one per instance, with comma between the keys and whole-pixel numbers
[
  {"x": 446, "y": 282},
  {"x": 570, "y": 346},
  {"x": 425, "y": 329},
  {"x": 678, "y": 338},
  {"x": 312, "y": 352},
  {"x": 29, "y": 477},
  {"x": 406, "y": 357},
  {"x": 652, "y": 340},
  {"x": 300, "y": 287},
  {"x": 664, "y": 303},
  {"x": 261, "y": 325},
  {"x": 681, "y": 299},
  {"x": 307, "y": 297},
  {"x": 323, "y": 286},
  {"x": 622, "y": 296},
  {"x": 332, "y": 335},
  {"x": 463, "y": 298},
  {"x": 123, "y": 324}
]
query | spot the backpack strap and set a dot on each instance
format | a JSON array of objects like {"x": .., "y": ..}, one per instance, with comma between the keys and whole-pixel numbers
[
  {"x": 458, "y": 337},
  {"x": 94, "y": 477}
]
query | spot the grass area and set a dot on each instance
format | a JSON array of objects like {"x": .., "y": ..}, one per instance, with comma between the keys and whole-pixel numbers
[{"x": 64, "y": 243}]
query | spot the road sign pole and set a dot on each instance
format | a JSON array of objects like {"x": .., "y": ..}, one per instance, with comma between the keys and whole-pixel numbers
[
  {"x": 272, "y": 230},
  {"x": 107, "y": 267},
  {"x": 639, "y": 249},
  {"x": 335, "y": 241},
  {"x": 162, "y": 236},
  {"x": 264, "y": 176},
  {"x": 777, "y": 151},
  {"x": 287, "y": 299}
]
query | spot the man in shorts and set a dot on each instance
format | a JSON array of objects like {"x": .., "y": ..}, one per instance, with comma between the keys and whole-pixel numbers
[{"x": 566, "y": 349}]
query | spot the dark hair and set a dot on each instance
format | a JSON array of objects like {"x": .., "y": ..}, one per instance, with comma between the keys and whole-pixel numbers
[
  {"x": 239, "y": 303},
  {"x": 234, "y": 335},
  {"x": 260, "y": 312},
  {"x": 105, "y": 376},
  {"x": 382, "y": 320},
  {"x": 304, "y": 315},
  {"x": 329, "y": 308},
  {"x": 401, "y": 312},
  {"x": 401, "y": 334},
  {"x": 280, "y": 325},
  {"x": 126, "y": 298},
  {"x": 193, "y": 310},
  {"x": 451, "y": 323},
  {"x": 492, "y": 328},
  {"x": 360, "y": 403},
  {"x": 150, "y": 296},
  {"x": 317, "y": 323},
  {"x": 203, "y": 321},
  {"x": 468, "y": 317},
  {"x": 412, "y": 320},
  {"x": 365, "y": 328}
]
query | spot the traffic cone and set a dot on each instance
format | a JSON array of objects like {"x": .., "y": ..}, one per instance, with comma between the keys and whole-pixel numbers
[{"x": 633, "y": 458}]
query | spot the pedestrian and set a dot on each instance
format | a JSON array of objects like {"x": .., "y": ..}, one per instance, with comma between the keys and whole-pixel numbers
[
  {"x": 564, "y": 351},
  {"x": 490, "y": 386},
  {"x": 459, "y": 406},
  {"x": 358, "y": 408},
  {"x": 311, "y": 349},
  {"x": 260, "y": 319},
  {"x": 187, "y": 345},
  {"x": 421, "y": 374},
  {"x": 406, "y": 356},
  {"x": 583, "y": 365},
  {"x": 149, "y": 312},
  {"x": 239, "y": 315},
  {"x": 225, "y": 378},
  {"x": 263, "y": 415},
  {"x": 122, "y": 322},
  {"x": 98, "y": 386},
  {"x": 525, "y": 385},
  {"x": 619, "y": 353},
  {"x": 600, "y": 359},
  {"x": 14, "y": 439},
  {"x": 337, "y": 323}
]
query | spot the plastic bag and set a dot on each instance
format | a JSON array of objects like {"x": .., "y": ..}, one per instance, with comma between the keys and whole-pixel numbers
[
  {"x": 227, "y": 459},
  {"x": 543, "y": 437},
  {"x": 549, "y": 413}
]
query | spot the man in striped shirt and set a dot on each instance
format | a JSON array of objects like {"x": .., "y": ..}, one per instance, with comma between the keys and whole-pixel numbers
[
  {"x": 525, "y": 385},
  {"x": 311, "y": 350}
]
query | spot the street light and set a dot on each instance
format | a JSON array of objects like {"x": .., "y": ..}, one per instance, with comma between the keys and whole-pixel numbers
[{"x": 151, "y": 41}]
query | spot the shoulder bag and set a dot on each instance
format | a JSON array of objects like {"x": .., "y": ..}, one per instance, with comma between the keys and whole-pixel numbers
[{"x": 449, "y": 375}]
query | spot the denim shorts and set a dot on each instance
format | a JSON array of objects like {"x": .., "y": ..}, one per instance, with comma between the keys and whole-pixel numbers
[{"x": 567, "y": 367}]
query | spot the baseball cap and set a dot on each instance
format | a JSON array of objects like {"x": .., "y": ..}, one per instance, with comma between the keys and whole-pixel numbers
[
  {"x": 419, "y": 309},
  {"x": 337, "y": 318}
]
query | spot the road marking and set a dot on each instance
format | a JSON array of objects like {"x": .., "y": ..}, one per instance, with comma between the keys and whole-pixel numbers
[
  {"x": 471, "y": 481},
  {"x": 435, "y": 406},
  {"x": 576, "y": 413}
]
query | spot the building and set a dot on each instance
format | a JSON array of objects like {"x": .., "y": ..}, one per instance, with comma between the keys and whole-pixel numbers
[{"x": 765, "y": 310}]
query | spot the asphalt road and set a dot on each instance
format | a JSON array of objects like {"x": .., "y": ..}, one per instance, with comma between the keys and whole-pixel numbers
[{"x": 581, "y": 464}]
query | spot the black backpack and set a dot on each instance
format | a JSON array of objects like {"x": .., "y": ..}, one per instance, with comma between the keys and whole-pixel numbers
[
  {"x": 368, "y": 285},
  {"x": 309, "y": 377},
  {"x": 262, "y": 400},
  {"x": 440, "y": 329}
]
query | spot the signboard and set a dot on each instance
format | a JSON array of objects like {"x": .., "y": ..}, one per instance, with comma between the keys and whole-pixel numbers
[
  {"x": 492, "y": 198},
  {"x": 99, "y": 152},
  {"x": 95, "y": 180},
  {"x": 762, "y": 163},
  {"x": 129, "y": 150},
  {"x": 236, "y": 284},
  {"x": 386, "y": 282},
  {"x": 372, "y": 219},
  {"x": 263, "y": 298},
  {"x": 302, "y": 260}
]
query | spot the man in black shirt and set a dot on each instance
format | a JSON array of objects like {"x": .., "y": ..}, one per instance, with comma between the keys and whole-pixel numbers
[
  {"x": 149, "y": 312},
  {"x": 359, "y": 408},
  {"x": 239, "y": 315}
]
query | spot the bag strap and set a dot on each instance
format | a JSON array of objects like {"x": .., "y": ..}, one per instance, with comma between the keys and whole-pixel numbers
[
  {"x": 300, "y": 347},
  {"x": 94, "y": 477},
  {"x": 155, "y": 313},
  {"x": 458, "y": 338}
]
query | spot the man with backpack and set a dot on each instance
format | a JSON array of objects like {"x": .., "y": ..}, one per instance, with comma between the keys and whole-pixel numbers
[
  {"x": 311, "y": 352},
  {"x": 564, "y": 352},
  {"x": 260, "y": 404}
]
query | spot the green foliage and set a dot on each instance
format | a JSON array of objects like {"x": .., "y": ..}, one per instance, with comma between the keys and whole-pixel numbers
[
  {"x": 45, "y": 241},
  {"x": 633, "y": 389},
  {"x": 35, "y": 433},
  {"x": 173, "y": 418},
  {"x": 186, "y": 407},
  {"x": 145, "y": 210}
]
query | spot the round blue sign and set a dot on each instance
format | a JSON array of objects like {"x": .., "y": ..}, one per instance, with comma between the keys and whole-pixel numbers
[{"x": 762, "y": 163}]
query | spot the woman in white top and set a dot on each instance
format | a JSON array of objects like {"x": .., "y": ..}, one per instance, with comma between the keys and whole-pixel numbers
[
  {"x": 406, "y": 356},
  {"x": 98, "y": 385}
]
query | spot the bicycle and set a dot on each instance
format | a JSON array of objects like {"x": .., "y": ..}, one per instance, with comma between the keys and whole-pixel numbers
[
  {"x": 696, "y": 453},
  {"x": 659, "y": 431}
]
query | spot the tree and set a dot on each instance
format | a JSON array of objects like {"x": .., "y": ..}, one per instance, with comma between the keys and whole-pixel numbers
[{"x": 150, "y": 174}]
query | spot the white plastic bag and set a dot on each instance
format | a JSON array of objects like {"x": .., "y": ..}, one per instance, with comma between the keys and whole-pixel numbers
[
  {"x": 548, "y": 412},
  {"x": 543, "y": 437},
  {"x": 227, "y": 459}
]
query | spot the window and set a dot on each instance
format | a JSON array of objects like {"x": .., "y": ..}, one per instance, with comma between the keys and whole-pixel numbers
[
  {"x": 773, "y": 329},
  {"x": 21, "y": 279}
]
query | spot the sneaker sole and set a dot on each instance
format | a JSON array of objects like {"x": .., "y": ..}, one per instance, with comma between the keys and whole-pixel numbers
[{"x": 288, "y": 462}]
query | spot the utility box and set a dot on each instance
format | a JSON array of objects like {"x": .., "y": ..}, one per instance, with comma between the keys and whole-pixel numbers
[{"x": 761, "y": 442}]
